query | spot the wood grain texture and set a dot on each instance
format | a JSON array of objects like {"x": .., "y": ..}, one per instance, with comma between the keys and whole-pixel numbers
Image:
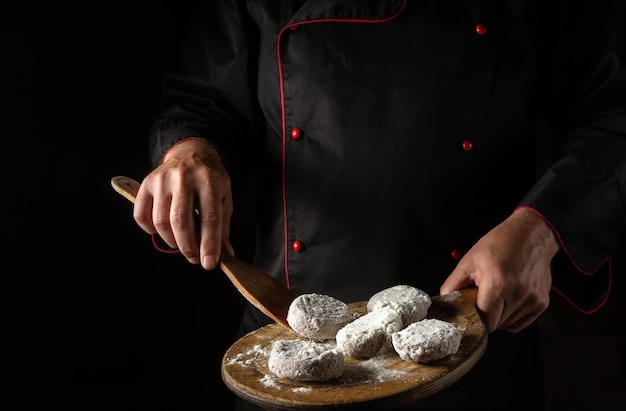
[
  {"x": 266, "y": 293},
  {"x": 379, "y": 383}
]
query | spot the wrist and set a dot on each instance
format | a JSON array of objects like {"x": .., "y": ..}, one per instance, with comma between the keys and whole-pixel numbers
[
  {"x": 538, "y": 228},
  {"x": 196, "y": 148}
]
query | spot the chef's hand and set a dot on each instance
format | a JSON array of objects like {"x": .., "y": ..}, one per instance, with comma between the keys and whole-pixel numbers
[
  {"x": 187, "y": 201},
  {"x": 510, "y": 265}
]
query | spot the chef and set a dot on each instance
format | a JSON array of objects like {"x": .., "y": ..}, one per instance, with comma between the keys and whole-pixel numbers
[{"x": 396, "y": 142}]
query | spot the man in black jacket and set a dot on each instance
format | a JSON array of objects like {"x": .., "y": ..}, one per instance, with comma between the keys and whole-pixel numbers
[{"x": 395, "y": 142}]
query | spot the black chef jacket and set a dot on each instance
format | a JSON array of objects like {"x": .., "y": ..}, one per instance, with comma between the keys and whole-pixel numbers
[{"x": 388, "y": 136}]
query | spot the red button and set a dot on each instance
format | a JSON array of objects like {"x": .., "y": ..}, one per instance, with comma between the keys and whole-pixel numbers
[
  {"x": 468, "y": 145},
  {"x": 481, "y": 29},
  {"x": 456, "y": 254},
  {"x": 294, "y": 27},
  {"x": 296, "y": 133},
  {"x": 296, "y": 246}
]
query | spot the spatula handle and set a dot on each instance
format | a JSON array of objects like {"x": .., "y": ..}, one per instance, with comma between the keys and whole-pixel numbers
[
  {"x": 126, "y": 186},
  {"x": 262, "y": 290}
]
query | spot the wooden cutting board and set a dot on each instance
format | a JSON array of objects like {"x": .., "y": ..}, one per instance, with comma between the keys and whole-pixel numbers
[{"x": 378, "y": 383}]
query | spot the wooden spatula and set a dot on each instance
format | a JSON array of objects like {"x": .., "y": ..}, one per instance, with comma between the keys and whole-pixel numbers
[{"x": 262, "y": 290}]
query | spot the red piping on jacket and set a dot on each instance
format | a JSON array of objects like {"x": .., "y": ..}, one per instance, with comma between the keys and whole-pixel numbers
[
  {"x": 608, "y": 259},
  {"x": 282, "y": 107}
]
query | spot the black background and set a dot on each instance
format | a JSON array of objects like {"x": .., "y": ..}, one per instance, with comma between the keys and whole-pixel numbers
[{"x": 92, "y": 315}]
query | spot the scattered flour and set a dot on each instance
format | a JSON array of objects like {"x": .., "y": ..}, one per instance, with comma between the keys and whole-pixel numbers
[
  {"x": 250, "y": 357},
  {"x": 270, "y": 381},
  {"x": 369, "y": 371},
  {"x": 434, "y": 341},
  {"x": 363, "y": 372}
]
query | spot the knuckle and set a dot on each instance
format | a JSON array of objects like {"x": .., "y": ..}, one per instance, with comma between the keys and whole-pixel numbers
[
  {"x": 188, "y": 252},
  {"x": 210, "y": 216},
  {"x": 209, "y": 245},
  {"x": 160, "y": 222},
  {"x": 141, "y": 219},
  {"x": 177, "y": 219}
]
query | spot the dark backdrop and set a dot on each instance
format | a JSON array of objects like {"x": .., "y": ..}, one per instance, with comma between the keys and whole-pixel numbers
[{"x": 93, "y": 317}]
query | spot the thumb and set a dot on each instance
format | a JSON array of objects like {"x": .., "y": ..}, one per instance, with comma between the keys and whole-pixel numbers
[{"x": 457, "y": 280}]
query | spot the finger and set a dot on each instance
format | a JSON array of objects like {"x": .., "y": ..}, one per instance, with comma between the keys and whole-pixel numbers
[
  {"x": 517, "y": 325},
  {"x": 183, "y": 226},
  {"x": 490, "y": 306},
  {"x": 211, "y": 227},
  {"x": 459, "y": 278},
  {"x": 522, "y": 315},
  {"x": 161, "y": 220},
  {"x": 142, "y": 211},
  {"x": 511, "y": 315},
  {"x": 227, "y": 213}
]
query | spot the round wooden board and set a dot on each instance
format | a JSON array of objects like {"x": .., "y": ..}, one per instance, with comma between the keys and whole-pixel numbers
[{"x": 378, "y": 383}]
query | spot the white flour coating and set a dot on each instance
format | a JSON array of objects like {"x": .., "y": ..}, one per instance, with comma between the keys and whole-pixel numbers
[
  {"x": 305, "y": 360},
  {"x": 364, "y": 372},
  {"x": 418, "y": 341},
  {"x": 412, "y": 303},
  {"x": 317, "y": 316},
  {"x": 367, "y": 371},
  {"x": 369, "y": 334},
  {"x": 427, "y": 340}
]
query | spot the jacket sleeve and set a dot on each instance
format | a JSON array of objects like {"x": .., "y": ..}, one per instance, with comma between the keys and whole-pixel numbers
[
  {"x": 209, "y": 86},
  {"x": 581, "y": 195}
]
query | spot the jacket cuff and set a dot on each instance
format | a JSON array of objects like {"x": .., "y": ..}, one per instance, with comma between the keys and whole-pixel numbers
[
  {"x": 581, "y": 198},
  {"x": 586, "y": 291},
  {"x": 163, "y": 139}
]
